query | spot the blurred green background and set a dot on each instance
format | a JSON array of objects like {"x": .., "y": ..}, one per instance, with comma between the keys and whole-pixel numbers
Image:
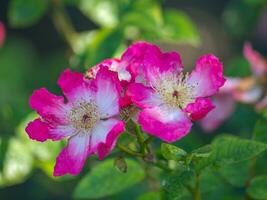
[{"x": 43, "y": 37}]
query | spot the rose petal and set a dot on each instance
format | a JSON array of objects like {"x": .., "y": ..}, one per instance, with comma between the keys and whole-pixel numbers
[{"x": 169, "y": 124}]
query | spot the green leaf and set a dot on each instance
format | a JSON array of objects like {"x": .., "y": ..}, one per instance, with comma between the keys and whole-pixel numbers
[
  {"x": 238, "y": 67},
  {"x": 174, "y": 185},
  {"x": 228, "y": 149},
  {"x": 234, "y": 20},
  {"x": 105, "y": 180},
  {"x": 104, "y": 45},
  {"x": 150, "y": 196},
  {"x": 258, "y": 187},
  {"x": 203, "y": 151},
  {"x": 23, "y": 13},
  {"x": 178, "y": 27},
  {"x": 171, "y": 152},
  {"x": 231, "y": 149},
  {"x": 260, "y": 131},
  {"x": 236, "y": 174}
]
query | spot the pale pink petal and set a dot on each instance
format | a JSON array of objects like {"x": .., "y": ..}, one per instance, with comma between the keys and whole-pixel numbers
[
  {"x": 230, "y": 85},
  {"x": 73, "y": 156},
  {"x": 142, "y": 96},
  {"x": 108, "y": 92},
  {"x": 200, "y": 108},
  {"x": 249, "y": 96},
  {"x": 257, "y": 62},
  {"x": 112, "y": 64},
  {"x": 59, "y": 131},
  {"x": 48, "y": 105},
  {"x": 2, "y": 34},
  {"x": 224, "y": 107},
  {"x": 104, "y": 136},
  {"x": 38, "y": 130},
  {"x": 75, "y": 86},
  {"x": 166, "y": 123},
  {"x": 207, "y": 77}
]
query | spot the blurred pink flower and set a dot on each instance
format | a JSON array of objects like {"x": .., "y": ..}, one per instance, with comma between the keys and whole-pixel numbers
[
  {"x": 87, "y": 119},
  {"x": 2, "y": 34},
  {"x": 248, "y": 90}
]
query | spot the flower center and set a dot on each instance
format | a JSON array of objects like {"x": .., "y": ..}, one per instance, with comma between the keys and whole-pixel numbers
[
  {"x": 84, "y": 115},
  {"x": 174, "y": 90}
]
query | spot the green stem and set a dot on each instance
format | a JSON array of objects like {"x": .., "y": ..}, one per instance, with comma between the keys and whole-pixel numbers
[
  {"x": 149, "y": 139},
  {"x": 63, "y": 23},
  {"x": 161, "y": 165},
  {"x": 140, "y": 139},
  {"x": 196, "y": 191},
  {"x": 129, "y": 151}
]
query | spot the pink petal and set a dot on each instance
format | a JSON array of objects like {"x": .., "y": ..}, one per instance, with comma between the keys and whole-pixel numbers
[
  {"x": 108, "y": 92},
  {"x": 104, "y": 137},
  {"x": 200, "y": 108},
  {"x": 75, "y": 86},
  {"x": 169, "y": 124},
  {"x": 48, "y": 105},
  {"x": 2, "y": 34},
  {"x": 207, "y": 77},
  {"x": 38, "y": 130},
  {"x": 257, "y": 62},
  {"x": 231, "y": 84},
  {"x": 141, "y": 96},
  {"x": 147, "y": 60},
  {"x": 225, "y": 105},
  {"x": 73, "y": 156},
  {"x": 112, "y": 65}
]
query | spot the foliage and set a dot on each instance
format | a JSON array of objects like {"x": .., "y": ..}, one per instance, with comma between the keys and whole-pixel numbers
[{"x": 219, "y": 166}]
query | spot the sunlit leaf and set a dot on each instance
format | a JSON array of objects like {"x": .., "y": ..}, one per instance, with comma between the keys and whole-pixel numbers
[
  {"x": 17, "y": 163},
  {"x": 102, "y": 12}
]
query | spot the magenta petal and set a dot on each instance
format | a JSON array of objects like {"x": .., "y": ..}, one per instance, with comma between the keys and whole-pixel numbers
[
  {"x": 200, "y": 108},
  {"x": 207, "y": 77},
  {"x": 73, "y": 156},
  {"x": 141, "y": 96},
  {"x": 225, "y": 105},
  {"x": 38, "y": 130},
  {"x": 108, "y": 92},
  {"x": 166, "y": 123},
  {"x": 257, "y": 62},
  {"x": 48, "y": 105},
  {"x": 75, "y": 86},
  {"x": 147, "y": 61}
]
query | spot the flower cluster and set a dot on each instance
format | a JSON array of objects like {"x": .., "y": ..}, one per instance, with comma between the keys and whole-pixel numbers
[
  {"x": 249, "y": 90},
  {"x": 167, "y": 100}
]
